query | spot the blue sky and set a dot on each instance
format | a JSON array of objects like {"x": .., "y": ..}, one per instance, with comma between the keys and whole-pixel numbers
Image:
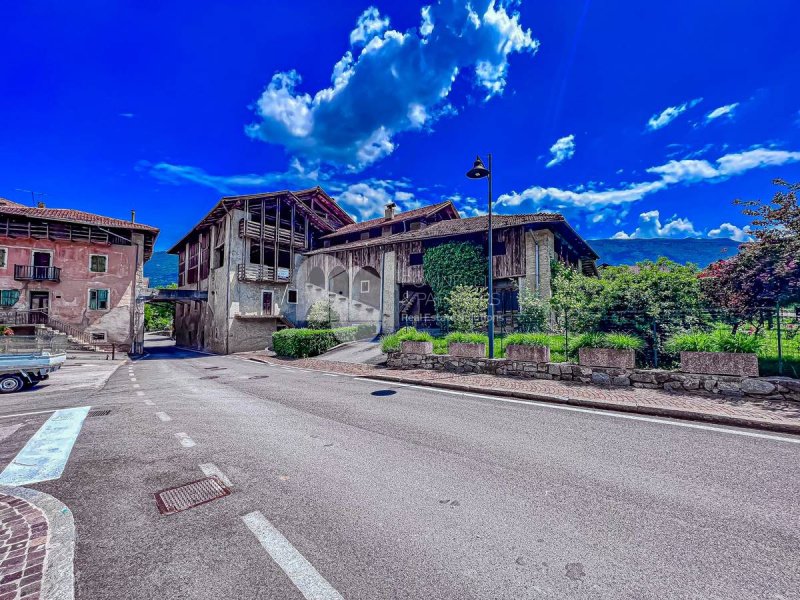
[{"x": 632, "y": 118}]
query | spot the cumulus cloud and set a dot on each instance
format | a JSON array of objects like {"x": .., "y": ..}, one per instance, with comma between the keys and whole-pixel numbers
[
  {"x": 650, "y": 226},
  {"x": 669, "y": 114},
  {"x": 398, "y": 82},
  {"x": 368, "y": 25},
  {"x": 722, "y": 111},
  {"x": 562, "y": 150},
  {"x": 729, "y": 230},
  {"x": 672, "y": 173}
]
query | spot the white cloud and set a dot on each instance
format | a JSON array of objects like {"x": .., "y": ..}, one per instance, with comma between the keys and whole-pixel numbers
[
  {"x": 729, "y": 230},
  {"x": 127, "y": 115},
  {"x": 722, "y": 111},
  {"x": 562, "y": 150},
  {"x": 397, "y": 82},
  {"x": 669, "y": 114},
  {"x": 368, "y": 25},
  {"x": 672, "y": 173},
  {"x": 650, "y": 226}
]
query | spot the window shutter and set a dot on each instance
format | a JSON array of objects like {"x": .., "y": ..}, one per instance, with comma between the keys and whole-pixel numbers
[
  {"x": 92, "y": 299},
  {"x": 102, "y": 298}
]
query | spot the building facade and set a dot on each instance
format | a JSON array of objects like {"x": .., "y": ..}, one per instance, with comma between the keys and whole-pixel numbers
[
  {"x": 261, "y": 278},
  {"x": 74, "y": 271}
]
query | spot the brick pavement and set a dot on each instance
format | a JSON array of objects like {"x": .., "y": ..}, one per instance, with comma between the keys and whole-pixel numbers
[
  {"x": 765, "y": 414},
  {"x": 24, "y": 533}
]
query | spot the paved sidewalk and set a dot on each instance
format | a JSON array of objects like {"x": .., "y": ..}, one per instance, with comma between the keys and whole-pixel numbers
[
  {"x": 772, "y": 415},
  {"x": 23, "y": 540}
]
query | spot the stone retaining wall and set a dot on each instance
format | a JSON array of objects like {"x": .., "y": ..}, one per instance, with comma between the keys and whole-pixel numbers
[{"x": 777, "y": 388}]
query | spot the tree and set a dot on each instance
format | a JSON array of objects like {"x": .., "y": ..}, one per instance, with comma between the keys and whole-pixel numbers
[
  {"x": 450, "y": 265},
  {"x": 534, "y": 311},
  {"x": 159, "y": 316},
  {"x": 468, "y": 306},
  {"x": 322, "y": 315}
]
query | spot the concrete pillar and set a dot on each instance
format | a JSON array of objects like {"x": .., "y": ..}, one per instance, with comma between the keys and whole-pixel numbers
[
  {"x": 390, "y": 315},
  {"x": 539, "y": 244}
]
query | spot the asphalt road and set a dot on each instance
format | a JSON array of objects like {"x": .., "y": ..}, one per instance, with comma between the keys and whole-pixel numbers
[{"x": 372, "y": 490}]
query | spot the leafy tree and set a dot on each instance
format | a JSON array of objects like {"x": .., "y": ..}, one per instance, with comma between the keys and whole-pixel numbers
[
  {"x": 534, "y": 310},
  {"x": 468, "y": 306},
  {"x": 159, "y": 316},
  {"x": 450, "y": 265},
  {"x": 576, "y": 298},
  {"x": 322, "y": 315}
]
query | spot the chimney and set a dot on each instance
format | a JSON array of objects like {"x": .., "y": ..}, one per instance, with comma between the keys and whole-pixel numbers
[
  {"x": 133, "y": 216},
  {"x": 388, "y": 212},
  {"x": 40, "y": 204}
]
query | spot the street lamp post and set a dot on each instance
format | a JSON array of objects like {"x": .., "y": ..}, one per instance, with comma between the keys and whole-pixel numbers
[{"x": 479, "y": 171}]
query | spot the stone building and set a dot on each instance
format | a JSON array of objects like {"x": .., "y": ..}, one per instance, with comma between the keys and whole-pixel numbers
[
  {"x": 261, "y": 279},
  {"x": 75, "y": 272}
]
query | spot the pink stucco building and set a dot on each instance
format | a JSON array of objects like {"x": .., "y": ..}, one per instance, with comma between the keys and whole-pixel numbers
[{"x": 74, "y": 271}]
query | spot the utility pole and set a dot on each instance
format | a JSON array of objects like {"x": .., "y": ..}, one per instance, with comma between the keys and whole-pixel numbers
[{"x": 33, "y": 195}]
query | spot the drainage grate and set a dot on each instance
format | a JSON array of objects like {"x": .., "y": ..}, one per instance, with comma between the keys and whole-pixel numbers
[
  {"x": 98, "y": 413},
  {"x": 210, "y": 377},
  {"x": 189, "y": 495}
]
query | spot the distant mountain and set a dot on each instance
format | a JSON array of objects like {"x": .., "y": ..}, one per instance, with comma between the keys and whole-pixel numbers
[
  {"x": 162, "y": 269},
  {"x": 697, "y": 251}
]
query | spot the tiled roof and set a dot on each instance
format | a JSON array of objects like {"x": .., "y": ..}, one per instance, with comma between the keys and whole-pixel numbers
[
  {"x": 415, "y": 213},
  {"x": 7, "y": 207},
  {"x": 452, "y": 227}
]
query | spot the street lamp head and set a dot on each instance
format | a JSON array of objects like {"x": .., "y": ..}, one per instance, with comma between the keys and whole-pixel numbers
[{"x": 478, "y": 171}]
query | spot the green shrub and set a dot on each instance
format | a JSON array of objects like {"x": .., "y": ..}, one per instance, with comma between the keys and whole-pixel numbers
[
  {"x": 458, "y": 337},
  {"x": 468, "y": 306},
  {"x": 614, "y": 341},
  {"x": 392, "y": 342},
  {"x": 718, "y": 341},
  {"x": 364, "y": 331},
  {"x": 452, "y": 264},
  {"x": 345, "y": 334},
  {"x": 534, "y": 310},
  {"x": 322, "y": 315},
  {"x": 440, "y": 346},
  {"x": 528, "y": 339},
  {"x": 300, "y": 343}
]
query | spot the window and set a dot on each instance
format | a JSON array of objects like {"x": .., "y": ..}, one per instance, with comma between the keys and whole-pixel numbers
[
  {"x": 3, "y": 258},
  {"x": 98, "y": 299},
  {"x": 9, "y": 297},
  {"x": 292, "y": 297},
  {"x": 219, "y": 256},
  {"x": 365, "y": 287},
  {"x": 98, "y": 263},
  {"x": 365, "y": 235},
  {"x": 415, "y": 259},
  {"x": 499, "y": 248},
  {"x": 415, "y": 226},
  {"x": 98, "y": 336}
]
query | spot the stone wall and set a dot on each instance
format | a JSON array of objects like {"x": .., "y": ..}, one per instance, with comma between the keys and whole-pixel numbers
[{"x": 773, "y": 388}]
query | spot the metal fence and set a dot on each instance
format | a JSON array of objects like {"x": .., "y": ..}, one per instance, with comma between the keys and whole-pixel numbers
[{"x": 778, "y": 329}]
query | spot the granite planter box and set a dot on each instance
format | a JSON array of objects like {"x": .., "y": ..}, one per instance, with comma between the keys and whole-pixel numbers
[
  {"x": 465, "y": 350},
  {"x": 537, "y": 354},
  {"x": 407, "y": 347},
  {"x": 607, "y": 357},
  {"x": 739, "y": 364}
]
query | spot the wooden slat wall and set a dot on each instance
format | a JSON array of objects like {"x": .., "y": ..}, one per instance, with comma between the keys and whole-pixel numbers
[
  {"x": 512, "y": 264},
  {"x": 407, "y": 273}
]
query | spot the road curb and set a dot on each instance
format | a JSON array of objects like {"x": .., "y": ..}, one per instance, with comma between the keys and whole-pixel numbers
[
  {"x": 655, "y": 411},
  {"x": 58, "y": 581}
]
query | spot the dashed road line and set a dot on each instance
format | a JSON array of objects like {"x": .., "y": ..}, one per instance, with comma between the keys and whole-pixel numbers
[
  {"x": 301, "y": 572},
  {"x": 149, "y": 402},
  {"x": 136, "y": 385},
  {"x": 163, "y": 416},
  {"x": 210, "y": 469},
  {"x": 140, "y": 393},
  {"x": 185, "y": 440}
]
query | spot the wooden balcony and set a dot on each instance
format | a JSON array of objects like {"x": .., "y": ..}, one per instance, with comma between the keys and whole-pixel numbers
[
  {"x": 263, "y": 274},
  {"x": 31, "y": 273},
  {"x": 252, "y": 229}
]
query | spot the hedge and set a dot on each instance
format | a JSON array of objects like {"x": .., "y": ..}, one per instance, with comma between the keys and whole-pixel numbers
[{"x": 300, "y": 343}]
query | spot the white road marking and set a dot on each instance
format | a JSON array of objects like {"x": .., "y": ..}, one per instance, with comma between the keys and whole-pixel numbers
[
  {"x": 136, "y": 385},
  {"x": 133, "y": 378},
  {"x": 45, "y": 455},
  {"x": 140, "y": 393},
  {"x": 149, "y": 402},
  {"x": 9, "y": 430},
  {"x": 163, "y": 416},
  {"x": 210, "y": 469},
  {"x": 330, "y": 374},
  {"x": 185, "y": 440},
  {"x": 37, "y": 412},
  {"x": 302, "y": 573}
]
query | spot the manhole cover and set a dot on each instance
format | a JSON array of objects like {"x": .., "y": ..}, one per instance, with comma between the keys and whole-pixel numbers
[
  {"x": 210, "y": 377},
  {"x": 383, "y": 393},
  {"x": 192, "y": 494},
  {"x": 259, "y": 376},
  {"x": 98, "y": 413}
]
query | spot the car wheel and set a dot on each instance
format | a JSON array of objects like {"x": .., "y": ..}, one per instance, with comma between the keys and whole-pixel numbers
[{"x": 11, "y": 383}]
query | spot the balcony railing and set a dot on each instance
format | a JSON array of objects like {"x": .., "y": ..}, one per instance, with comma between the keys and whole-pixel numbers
[
  {"x": 31, "y": 273},
  {"x": 263, "y": 273}
]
